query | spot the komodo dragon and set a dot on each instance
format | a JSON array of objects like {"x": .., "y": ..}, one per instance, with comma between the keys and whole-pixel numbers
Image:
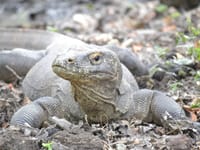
[{"x": 69, "y": 78}]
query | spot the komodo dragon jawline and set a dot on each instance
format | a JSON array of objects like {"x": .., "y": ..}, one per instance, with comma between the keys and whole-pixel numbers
[{"x": 69, "y": 78}]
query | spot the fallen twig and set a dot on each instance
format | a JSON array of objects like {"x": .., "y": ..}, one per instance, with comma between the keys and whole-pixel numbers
[{"x": 13, "y": 72}]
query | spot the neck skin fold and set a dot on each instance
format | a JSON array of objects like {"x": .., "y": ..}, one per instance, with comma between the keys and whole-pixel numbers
[{"x": 97, "y": 99}]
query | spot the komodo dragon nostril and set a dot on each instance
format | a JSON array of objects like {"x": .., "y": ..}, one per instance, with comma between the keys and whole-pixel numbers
[{"x": 70, "y": 60}]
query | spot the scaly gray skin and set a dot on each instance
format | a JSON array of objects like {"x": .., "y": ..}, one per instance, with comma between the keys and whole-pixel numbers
[{"x": 73, "y": 79}]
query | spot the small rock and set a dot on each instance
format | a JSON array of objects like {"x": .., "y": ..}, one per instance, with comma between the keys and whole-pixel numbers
[
  {"x": 86, "y": 21},
  {"x": 127, "y": 43},
  {"x": 120, "y": 146},
  {"x": 179, "y": 142},
  {"x": 62, "y": 123},
  {"x": 184, "y": 47}
]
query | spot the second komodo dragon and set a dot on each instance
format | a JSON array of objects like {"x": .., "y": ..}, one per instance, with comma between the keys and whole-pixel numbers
[{"x": 69, "y": 78}]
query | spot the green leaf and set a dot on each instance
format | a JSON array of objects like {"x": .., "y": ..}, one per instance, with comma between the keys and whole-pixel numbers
[
  {"x": 175, "y": 86},
  {"x": 195, "y": 52},
  {"x": 52, "y": 29},
  {"x": 181, "y": 37},
  {"x": 195, "y": 31},
  {"x": 192, "y": 29},
  {"x": 47, "y": 145},
  {"x": 161, "y": 8},
  {"x": 90, "y": 6},
  {"x": 175, "y": 15},
  {"x": 197, "y": 105},
  {"x": 154, "y": 69},
  {"x": 197, "y": 76},
  {"x": 161, "y": 51}
]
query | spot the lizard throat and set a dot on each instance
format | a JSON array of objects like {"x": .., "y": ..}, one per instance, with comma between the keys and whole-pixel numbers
[{"x": 97, "y": 105}]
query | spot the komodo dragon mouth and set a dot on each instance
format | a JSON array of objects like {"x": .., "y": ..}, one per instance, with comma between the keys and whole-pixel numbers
[{"x": 75, "y": 72}]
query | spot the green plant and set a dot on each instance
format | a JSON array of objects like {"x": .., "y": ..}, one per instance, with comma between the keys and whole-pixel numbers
[
  {"x": 175, "y": 15},
  {"x": 90, "y": 6},
  {"x": 192, "y": 29},
  {"x": 154, "y": 69},
  {"x": 161, "y": 51},
  {"x": 182, "y": 38},
  {"x": 161, "y": 8},
  {"x": 197, "y": 76},
  {"x": 52, "y": 29},
  {"x": 195, "y": 105},
  {"x": 193, "y": 32},
  {"x": 195, "y": 52},
  {"x": 47, "y": 145},
  {"x": 175, "y": 86}
]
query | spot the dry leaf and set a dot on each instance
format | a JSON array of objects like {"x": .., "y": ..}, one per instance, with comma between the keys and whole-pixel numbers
[
  {"x": 192, "y": 111},
  {"x": 10, "y": 86},
  {"x": 137, "y": 47},
  {"x": 26, "y": 101},
  {"x": 197, "y": 44},
  {"x": 169, "y": 28}
]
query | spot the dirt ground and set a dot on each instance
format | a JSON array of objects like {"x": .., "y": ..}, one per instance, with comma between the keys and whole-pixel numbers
[{"x": 164, "y": 38}]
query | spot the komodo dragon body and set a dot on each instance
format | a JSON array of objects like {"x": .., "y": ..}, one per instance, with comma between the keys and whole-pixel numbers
[{"x": 69, "y": 78}]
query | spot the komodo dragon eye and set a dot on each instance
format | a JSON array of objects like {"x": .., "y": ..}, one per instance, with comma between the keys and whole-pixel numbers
[{"x": 95, "y": 58}]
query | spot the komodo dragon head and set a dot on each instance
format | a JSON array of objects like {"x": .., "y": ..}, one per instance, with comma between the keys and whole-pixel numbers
[{"x": 95, "y": 74}]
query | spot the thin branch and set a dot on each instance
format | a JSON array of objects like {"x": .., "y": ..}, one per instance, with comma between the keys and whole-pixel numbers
[{"x": 13, "y": 72}]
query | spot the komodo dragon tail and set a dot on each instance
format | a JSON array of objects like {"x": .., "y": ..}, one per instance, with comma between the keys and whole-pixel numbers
[
  {"x": 26, "y": 38},
  {"x": 31, "y": 47}
]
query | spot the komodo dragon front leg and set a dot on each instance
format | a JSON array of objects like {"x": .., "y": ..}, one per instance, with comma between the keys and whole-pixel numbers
[
  {"x": 151, "y": 105},
  {"x": 37, "y": 112}
]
